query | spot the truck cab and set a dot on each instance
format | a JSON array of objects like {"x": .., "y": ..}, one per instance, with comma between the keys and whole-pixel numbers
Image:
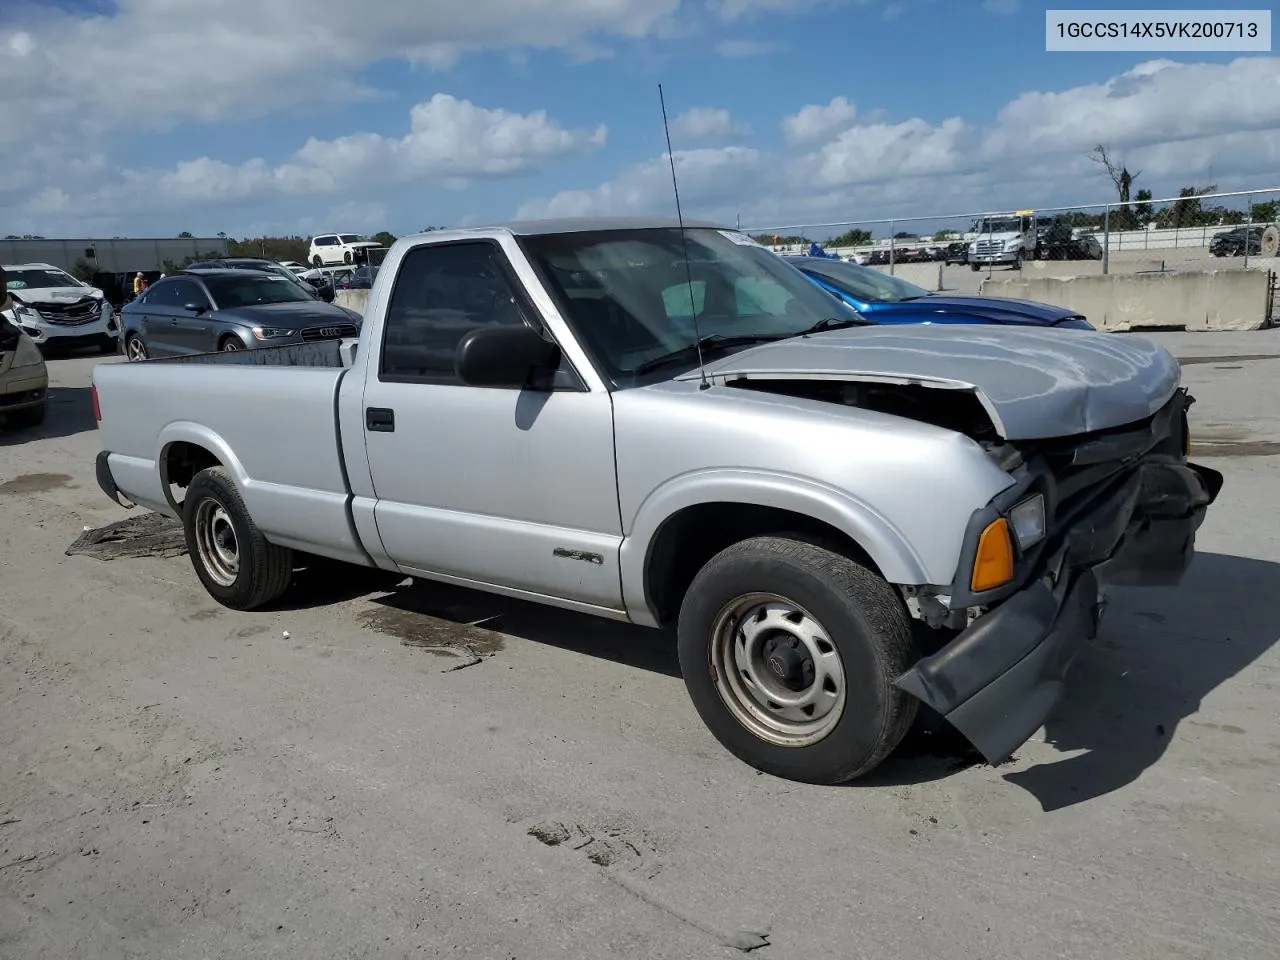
[{"x": 1004, "y": 238}]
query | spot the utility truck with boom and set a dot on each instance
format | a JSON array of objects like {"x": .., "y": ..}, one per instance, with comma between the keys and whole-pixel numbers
[{"x": 669, "y": 425}]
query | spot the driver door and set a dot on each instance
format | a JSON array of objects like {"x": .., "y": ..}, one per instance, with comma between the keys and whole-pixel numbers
[{"x": 510, "y": 488}]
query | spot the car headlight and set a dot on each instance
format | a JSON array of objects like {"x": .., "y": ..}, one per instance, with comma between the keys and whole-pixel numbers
[
  {"x": 1027, "y": 521},
  {"x": 271, "y": 333},
  {"x": 23, "y": 312},
  {"x": 27, "y": 354}
]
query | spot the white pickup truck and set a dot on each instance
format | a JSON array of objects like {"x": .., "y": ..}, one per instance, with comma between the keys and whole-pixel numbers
[{"x": 674, "y": 427}]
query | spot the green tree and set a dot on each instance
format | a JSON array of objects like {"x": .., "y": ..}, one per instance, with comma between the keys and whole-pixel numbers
[
  {"x": 1142, "y": 208},
  {"x": 383, "y": 238},
  {"x": 851, "y": 238},
  {"x": 186, "y": 235},
  {"x": 1187, "y": 210},
  {"x": 1267, "y": 212}
]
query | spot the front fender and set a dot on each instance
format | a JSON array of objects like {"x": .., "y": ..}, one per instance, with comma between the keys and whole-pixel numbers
[{"x": 884, "y": 543}]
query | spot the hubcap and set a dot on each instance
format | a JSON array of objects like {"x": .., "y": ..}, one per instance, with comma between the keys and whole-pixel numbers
[
  {"x": 230, "y": 345},
  {"x": 777, "y": 670},
  {"x": 216, "y": 542}
]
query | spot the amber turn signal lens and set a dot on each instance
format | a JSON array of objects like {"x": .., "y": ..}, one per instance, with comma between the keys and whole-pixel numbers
[{"x": 993, "y": 564}]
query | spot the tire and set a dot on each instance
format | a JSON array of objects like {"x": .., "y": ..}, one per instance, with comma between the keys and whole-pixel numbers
[
  {"x": 28, "y": 418},
  {"x": 348, "y": 258},
  {"x": 975, "y": 267},
  {"x": 317, "y": 262},
  {"x": 1270, "y": 243},
  {"x": 853, "y": 616},
  {"x": 135, "y": 348},
  {"x": 230, "y": 345},
  {"x": 233, "y": 560}
]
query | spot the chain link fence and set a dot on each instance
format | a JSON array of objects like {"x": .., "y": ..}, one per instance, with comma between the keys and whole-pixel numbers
[{"x": 1198, "y": 229}]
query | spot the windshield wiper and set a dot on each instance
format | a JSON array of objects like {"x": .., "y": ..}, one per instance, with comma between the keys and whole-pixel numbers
[
  {"x": 834, "y": 323},
  {"x": 712, "y": 343}
]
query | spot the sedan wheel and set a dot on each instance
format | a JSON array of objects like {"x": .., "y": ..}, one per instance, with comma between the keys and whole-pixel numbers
[
  {"x": 134, "y": 348},
  {"x": 229, "y": 346}
]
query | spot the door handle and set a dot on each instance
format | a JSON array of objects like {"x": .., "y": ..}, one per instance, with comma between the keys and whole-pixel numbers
[
  {"x": 173, "y": 322},
  {"x": 380, "y": 419}
]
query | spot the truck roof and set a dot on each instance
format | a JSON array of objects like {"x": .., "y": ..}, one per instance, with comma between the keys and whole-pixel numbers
[{"x": 535, "y": 228}]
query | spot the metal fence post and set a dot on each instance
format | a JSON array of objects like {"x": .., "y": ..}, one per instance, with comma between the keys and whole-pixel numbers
[
  {"x": 892, "y": 250},
  {"x": 1106, "y": 240},
  {"x": 1248, "y": 234}
]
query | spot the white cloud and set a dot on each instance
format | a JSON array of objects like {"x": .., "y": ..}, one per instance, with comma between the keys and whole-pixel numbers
[
  {"x": 706, "y": 124},
  {"x": 738, "y": 48},
  {"x": 451, "y": 143},
  {"x": 1178, "y": 123},
  {"x": 814, "y": 123}
]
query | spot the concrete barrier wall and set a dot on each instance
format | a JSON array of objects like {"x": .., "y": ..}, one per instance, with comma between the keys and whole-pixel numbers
[
  {"x": 1209, "y": 300},
  {"x": 357, "y": 300},
  {"x": 926, "y": 275}
]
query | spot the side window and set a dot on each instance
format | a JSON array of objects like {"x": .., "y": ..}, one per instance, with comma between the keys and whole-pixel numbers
[
  {"x": 441, "y": 293},
  {"x": 164, "y": 294},
  {"x": 675, "y": 300},
  {"x": 185, "y": 292}
]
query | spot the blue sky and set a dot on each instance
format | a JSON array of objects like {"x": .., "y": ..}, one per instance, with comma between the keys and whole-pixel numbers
[{"x": 146, "y": 117}]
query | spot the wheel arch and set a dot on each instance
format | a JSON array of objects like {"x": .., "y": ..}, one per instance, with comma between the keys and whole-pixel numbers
[
  {"x": 687, "y": 521},
  {"x": 187, "y": 448}
]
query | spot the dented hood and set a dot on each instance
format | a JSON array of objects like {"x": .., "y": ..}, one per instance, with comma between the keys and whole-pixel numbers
[{"x": 1034, "y": 383}]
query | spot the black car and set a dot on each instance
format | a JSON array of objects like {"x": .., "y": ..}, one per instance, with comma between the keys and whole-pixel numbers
[
  {"x": 322, "y": 288},
  {"x": 1237, "y": 242},
  {"x": 956, "y": 252},
  {"x": 202, "y": 311}
]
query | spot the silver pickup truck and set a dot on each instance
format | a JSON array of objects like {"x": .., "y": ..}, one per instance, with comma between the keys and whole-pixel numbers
[{"x": 676, "y": 428}]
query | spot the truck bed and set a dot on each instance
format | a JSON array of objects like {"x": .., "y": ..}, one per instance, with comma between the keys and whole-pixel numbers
[
  {"x": 275, "y": 429},
  {"x": 323, "y": 353}
]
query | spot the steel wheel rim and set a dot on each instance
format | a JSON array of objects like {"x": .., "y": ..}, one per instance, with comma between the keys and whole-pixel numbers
[
  {"x": 750, "y": 677},
  {"x": 136, "y": 349},
  {"x": 229, "y": 346},
  {"x": 216, "y": 542}
]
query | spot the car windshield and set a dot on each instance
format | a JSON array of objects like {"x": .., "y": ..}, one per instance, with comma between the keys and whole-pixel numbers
[
  {"x": 350, "y": 238},
  {"x": 38, "y": 278},
  {"x": 628, "y": 296},
  {"x": 243, "y": 291},
  {"x": 999, "y": 225},
  {"x": 863, "y": 283}
]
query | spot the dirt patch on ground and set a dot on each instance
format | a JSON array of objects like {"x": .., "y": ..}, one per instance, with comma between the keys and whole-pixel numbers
[
  {"x": 30, "y": 483},
  {"x": 148, "y": 535}
]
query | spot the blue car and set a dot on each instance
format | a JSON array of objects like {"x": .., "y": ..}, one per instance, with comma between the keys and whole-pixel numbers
[{"x": 881, "y": 298}]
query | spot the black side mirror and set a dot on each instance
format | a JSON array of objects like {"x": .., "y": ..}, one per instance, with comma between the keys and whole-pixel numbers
[
  {"x": 503, "y": 356},
  {"x": 195, "y": 308}
]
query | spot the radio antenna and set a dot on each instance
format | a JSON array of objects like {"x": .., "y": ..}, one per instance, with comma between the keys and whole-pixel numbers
[{"x": 684, "y": 246}]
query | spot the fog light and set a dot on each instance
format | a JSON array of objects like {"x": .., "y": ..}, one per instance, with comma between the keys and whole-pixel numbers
[{"x": 1027, "y": 520}]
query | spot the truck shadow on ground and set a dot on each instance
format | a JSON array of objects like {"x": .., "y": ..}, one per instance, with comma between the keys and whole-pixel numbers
[
  {"x": 70, "y": 413},
  {"x": 1159, "y": 654}
]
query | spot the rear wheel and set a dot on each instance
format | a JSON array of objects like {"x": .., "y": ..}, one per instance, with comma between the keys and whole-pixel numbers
[
  {"x": 789, "y": 652},
  {"x": 135, "y": 349},
  {"x": 232, "y": 558}
]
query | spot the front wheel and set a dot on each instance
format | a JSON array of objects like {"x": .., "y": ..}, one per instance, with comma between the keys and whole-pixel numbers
[
  {"x": 975, "y": 267},
  {"x": 789, "y": 652},
  {"x": 230, "y": 344},
  {"x": 135, "y": 349},
  {"x": 237, "y": 565}
]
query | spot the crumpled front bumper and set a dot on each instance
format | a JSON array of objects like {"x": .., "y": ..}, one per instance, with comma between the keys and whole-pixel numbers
[{"x": 1000, "y": 678}]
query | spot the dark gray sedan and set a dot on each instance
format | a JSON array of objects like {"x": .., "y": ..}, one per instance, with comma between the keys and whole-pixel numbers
[{"x": 202, "y": 311}]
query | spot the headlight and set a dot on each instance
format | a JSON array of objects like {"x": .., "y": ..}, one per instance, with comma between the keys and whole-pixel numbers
[
  {"x": 271, "y": 333},
  {"x": 1027, "y": 521},
  {"x": 27, "y": 354},
  {"x": 23, "y": 312}
]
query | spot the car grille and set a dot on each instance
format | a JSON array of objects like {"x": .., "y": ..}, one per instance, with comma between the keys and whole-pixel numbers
[
  {"x": 82, "y": 311},
  {"x": 989, "y": 247},
  {"x": 335, "y": 331}
]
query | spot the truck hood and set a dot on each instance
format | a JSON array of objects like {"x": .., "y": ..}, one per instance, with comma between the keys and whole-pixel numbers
[
  {"x": 1033, "y": 383},
  {"x": 55, "y": 294}
]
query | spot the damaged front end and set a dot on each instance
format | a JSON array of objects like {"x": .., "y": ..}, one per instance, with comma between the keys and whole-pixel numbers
[{"x": 1118, "y": 507}]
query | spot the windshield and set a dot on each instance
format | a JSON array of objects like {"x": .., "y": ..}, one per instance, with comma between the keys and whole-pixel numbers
[
  {"x": 999, "y": 225},
  {"x": 863, "y": 283},
  {"x": 231, "y": 292},
  {"x": 627, "y": 297},
  {"x": 38, "y": 278}
]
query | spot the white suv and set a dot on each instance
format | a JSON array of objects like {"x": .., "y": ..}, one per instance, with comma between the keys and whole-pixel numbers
[
  {"x": 330, "y": 249},
  {"x": 54, "y": 308}
]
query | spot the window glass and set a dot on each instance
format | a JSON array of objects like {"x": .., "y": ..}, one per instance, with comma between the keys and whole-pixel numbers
[
  {"x": 248, "y": 291},
  {"x": 165, "y": 294},
  {"x": 185, "y": 292},
  {"x": 442, "y": 293}
]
